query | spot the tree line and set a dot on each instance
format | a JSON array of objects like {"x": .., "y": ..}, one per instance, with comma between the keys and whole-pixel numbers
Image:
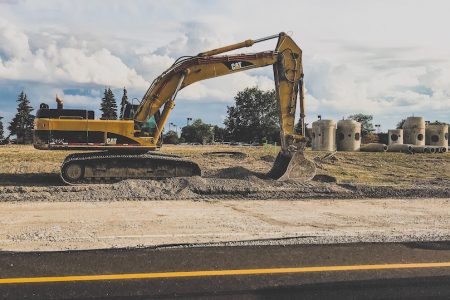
[{"x": 252, "y": 119}]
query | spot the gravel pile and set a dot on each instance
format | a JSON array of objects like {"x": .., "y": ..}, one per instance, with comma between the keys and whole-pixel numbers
[{"x": 229, "y": 183}]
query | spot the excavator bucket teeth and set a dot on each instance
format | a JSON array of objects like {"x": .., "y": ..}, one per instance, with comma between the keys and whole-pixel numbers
[{"x": 292, "y": 167}]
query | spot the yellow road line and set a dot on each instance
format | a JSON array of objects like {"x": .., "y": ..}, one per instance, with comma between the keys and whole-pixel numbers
[{"x": 223, "y": 272}]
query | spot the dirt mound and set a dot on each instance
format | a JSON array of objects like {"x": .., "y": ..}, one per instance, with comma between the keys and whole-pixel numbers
[{"x": 235, "y": 173}]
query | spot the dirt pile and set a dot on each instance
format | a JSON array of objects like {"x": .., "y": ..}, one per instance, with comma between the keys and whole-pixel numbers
[{"x": 244, "y": 185}]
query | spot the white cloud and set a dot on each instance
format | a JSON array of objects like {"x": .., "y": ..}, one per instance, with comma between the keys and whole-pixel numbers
[
  {"x": 58, "y": 65},
  {"x": 353, "y": 61},
  {"x": 13, "y": 42}
]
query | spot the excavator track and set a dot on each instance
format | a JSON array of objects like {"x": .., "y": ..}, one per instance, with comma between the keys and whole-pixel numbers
[{"x": 106, "y": 167}]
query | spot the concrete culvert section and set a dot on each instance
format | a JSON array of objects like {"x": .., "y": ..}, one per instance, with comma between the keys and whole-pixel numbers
[
  {"x": 323, "y": 135},
  {"x": 395, "y": 136},
  {"x": 400, "y": 148},
  {"x": 414, "y": 131},
  {"x": 437, "y": 135},
  {"x": 348, "y": 135},
  {"x": 421, "y": 149},
  {"x": 374, "y": 147}
]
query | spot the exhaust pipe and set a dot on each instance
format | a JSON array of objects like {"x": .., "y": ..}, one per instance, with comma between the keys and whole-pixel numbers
[{"x": 373, "y": 147}]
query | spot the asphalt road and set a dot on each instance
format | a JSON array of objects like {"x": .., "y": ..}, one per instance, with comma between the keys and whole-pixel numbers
[{"x": 344, "y": 271}]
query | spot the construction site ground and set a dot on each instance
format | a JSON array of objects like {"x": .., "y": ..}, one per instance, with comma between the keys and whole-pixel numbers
[{"x": 354, "y": 197}]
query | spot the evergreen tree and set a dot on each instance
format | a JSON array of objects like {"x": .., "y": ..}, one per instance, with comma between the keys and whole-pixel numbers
[
  {"x": 108, "y": 105},
  {"x": 22, "y": 123},
  {"x": 123, "y": 103},
  {"x": 2, "y": 133},
  {"x": 113, "y": 102}
]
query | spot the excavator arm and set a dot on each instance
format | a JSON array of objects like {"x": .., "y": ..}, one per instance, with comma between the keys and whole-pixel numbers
[
  {"x": 288, "y": 75},
  {"x": 286, "y": 60},
  {"x": 164, "y": 89}
]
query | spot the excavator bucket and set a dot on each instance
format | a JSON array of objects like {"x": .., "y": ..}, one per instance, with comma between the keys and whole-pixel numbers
[{"x": 292, "y": 167}]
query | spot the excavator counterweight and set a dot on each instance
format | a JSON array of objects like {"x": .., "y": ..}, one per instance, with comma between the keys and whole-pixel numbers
[{"x": 125, "y": 142}]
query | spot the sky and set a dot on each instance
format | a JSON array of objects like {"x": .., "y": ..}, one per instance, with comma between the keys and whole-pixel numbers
[{"x": 390, "y": 59}]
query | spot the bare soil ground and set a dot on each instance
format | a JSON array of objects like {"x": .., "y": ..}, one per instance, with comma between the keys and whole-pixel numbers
[
  {"x": 29, "y": 174},
  {"x": 355, "y": 197},
  {"x": 47, "y": 226}
]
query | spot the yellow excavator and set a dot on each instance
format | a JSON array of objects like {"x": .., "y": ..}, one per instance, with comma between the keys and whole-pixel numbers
[{"x": 127, "y": 145}]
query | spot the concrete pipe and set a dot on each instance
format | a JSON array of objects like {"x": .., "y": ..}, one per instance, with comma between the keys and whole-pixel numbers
[
  {"x": 395, "y": 136},
  {"x": 414, "y": 131},
  {"x": 424, "y": 149},
  {"x": 421, "y": 149},
  {"x": 323, "y": 135},
  {"x": 374, "y": 147},
  {"x": 436, "y": 135},
  {"x": 437, "y": 149},
  {"x": 348, "y": 135},
  {"x": 432, "y": 149},
  {"x": 400, "y": 148}
]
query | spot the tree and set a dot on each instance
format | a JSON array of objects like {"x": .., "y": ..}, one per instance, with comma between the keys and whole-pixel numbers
[
  {"x": 171, "y": 137},
  {"x": 366, "y": 123},
  {"x": 108, "y": 106},
  {"x": 220, "y": 134},
  {"x": 254, "y": 117},
  {"x": 123, "y": 103},
  {"x": 197, "y": 132},
  {"x": 22, "y": 124},
  {"x": 2, "y": 133},
  {"x": 400, "y": 124}
]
